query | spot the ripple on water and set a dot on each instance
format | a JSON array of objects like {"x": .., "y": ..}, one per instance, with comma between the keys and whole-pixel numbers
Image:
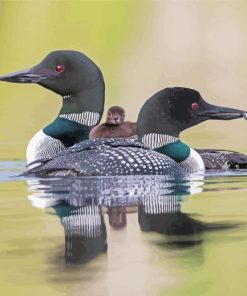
[{"x": 147, "y": 234}]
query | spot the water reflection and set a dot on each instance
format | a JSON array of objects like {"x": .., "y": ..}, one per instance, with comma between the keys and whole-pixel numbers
[
  {"x": 179, "y": 228},
  {"x": 83, "y": 204},
  {"x": 84, "y": 231}
]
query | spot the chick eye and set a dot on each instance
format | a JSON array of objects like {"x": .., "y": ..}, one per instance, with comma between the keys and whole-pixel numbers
[
  {"x": 194, "y": 106},
  {"x": 59, "y": 68}
]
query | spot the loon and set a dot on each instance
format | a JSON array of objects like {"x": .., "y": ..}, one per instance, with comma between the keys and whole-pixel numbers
[
  {"x": 159, "y": 150},
  {"x": 80, "y": 83},
  {"x": 115, "y": 125}
]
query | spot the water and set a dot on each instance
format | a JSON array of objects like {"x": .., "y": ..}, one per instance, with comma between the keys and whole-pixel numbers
[{"x": 123, "y": 236}]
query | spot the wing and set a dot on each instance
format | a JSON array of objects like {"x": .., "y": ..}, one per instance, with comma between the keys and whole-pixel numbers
[{"x": 218, "y": 159}]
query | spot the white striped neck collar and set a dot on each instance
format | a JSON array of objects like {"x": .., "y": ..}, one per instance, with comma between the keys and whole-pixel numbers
[
  {"x": 86, "y": 118},
  {"x": 154, "y": 140}
]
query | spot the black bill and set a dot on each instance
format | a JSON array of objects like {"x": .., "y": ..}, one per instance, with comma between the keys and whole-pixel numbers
[
  {"x": 24, "y": 76},
  {"x": 222, "y": 113}
]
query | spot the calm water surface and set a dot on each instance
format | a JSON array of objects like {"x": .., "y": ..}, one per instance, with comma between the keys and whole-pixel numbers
[{"x": 123, "y": 236}]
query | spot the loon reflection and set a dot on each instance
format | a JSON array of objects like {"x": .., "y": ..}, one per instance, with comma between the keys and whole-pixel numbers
[
  {"x": 84, "y": 230},
  {"x": 82, "y": 203}
]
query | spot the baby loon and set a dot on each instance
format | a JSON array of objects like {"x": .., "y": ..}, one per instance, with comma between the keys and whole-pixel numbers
[
  {"x": 115, "y": 126},
  {"x": 79, "y": 81},
  {"x": 161, "y": 120}
]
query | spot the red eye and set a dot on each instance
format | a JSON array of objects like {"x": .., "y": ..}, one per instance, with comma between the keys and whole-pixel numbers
[
  {"x": 194, "y": 106},
  {"x": 59, "y": 69}
]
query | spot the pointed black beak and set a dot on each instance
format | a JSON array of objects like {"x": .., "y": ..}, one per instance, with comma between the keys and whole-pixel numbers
[
  {"x": 221, "y": 113},
  {"x": 24, "y": 76}
]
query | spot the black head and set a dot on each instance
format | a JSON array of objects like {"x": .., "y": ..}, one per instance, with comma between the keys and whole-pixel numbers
[
  {"x": 115, "y": 115},
  {"x": 66, "y": 72},
  {"x": 173, "y": 110}
]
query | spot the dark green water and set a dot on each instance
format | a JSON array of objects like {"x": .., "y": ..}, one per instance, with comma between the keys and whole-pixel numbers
[{"x": 123, "y": 236}]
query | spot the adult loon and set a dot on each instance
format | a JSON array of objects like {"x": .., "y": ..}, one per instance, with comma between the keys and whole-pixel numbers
[
  {"x": 161, "y": 120},
  {"x": 115, "y": 125},
  {"x": 79, "y": 81}
]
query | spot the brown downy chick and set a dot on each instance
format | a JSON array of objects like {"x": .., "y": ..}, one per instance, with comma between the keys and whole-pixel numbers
[{"x": 115, "y": 126}]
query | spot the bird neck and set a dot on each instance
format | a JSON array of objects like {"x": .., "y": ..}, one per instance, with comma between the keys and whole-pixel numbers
[
  {"x": 91, "y": 99},
  {"x": 67, "y": 131},
  {"x": 168, "y": 145},
  {"x": 156, "y": 130},
  {"x": 79, "y": 114},
  {"x": 178, "y": 151},
  {"x": 174, "y": 148}
]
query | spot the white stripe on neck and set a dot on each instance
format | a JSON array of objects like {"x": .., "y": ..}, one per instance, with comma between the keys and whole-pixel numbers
[
  {"x": 87, "y": 118},
  {"x": 158, "y": 140}
]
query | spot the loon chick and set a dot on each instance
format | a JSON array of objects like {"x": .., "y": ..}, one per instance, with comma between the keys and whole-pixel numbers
[
  {"x": 79, "y": 81},
  {"x": 115, "y": 126},
  {"x": 161, "y": 120}
]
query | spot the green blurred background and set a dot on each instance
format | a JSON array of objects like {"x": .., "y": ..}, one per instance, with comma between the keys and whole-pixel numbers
[{"x": 140, "y": 46}]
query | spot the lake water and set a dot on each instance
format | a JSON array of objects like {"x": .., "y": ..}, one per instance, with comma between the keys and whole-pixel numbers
[{"x": 123, "y": 236}]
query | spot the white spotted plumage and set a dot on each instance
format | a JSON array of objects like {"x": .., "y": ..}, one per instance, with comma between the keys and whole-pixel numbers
[{"x": 110, "y": 157}]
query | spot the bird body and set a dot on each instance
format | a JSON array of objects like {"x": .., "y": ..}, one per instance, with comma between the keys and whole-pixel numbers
[{"x": 108, "y": 157}]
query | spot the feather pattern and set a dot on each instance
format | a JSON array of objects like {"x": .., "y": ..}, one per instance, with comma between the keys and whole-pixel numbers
[
  {"x": 84, "y": 221},
  {"x": 42, "y": 146},
  {"x": 86, "y": 118},
  {"x": 157, "y": 140},
  {"x": 108, "y": 157}
]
